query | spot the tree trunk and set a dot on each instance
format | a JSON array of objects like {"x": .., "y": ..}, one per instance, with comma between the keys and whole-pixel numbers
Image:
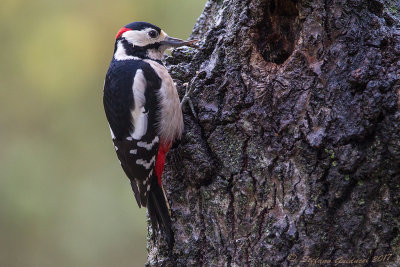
[{"x": 294, "y": 157}]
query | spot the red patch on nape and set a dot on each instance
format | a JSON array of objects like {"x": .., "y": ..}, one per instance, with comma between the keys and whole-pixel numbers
[
  {"x": 162, "y": 151},
  {"x": 122, "y": 31}
]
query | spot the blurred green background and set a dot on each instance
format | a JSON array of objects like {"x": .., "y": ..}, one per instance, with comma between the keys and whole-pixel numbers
[{"x": 64, "y": 200}]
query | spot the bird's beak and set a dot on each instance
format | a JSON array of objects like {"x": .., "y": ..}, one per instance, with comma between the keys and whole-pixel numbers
[{"x": 174, "y": 42}]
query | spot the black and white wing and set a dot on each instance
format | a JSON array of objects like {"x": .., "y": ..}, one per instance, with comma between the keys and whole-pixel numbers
[{"x": 130, "y": 103}]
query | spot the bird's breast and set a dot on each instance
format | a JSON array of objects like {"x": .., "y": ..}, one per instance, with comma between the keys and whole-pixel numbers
[{"x": 170, "y": 115}]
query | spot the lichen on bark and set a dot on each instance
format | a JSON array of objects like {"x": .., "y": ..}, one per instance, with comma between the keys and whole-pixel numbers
[{"x": 296, "y": 148}]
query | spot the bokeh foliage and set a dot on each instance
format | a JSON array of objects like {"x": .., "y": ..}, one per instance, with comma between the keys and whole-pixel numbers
[{"x": 64, "y": 200}]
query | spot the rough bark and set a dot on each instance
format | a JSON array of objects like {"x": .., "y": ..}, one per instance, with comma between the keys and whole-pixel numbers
[{"x": 295, "y": 152}]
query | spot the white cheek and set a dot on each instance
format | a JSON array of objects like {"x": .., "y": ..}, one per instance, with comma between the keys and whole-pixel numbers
[{"x": 140, "y": 38}]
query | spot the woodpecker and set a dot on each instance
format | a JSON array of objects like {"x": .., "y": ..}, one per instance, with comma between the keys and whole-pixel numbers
[{"x": 144, "y": 113}]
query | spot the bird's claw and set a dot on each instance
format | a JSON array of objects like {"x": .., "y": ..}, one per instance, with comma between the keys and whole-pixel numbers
[{"x": 186, "y": 98}]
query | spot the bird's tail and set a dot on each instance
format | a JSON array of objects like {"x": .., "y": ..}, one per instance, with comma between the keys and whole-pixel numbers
[{"x": 157, "y": 206}]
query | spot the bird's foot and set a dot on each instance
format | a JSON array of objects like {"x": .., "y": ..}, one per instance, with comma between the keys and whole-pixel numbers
[{"x": 186, "y": 98}]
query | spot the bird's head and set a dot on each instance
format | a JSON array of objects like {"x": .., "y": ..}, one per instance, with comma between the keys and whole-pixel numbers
[{"x": 144, "y": 40}]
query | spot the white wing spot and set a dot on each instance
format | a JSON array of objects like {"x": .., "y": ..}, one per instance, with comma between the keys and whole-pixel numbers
[
  {"x": 112, "y": 133},
  {"x": 129, "y": 138},
  {"x": 148, "y": 146},
  {"x": 116, "y": 148},
  {"x": 146, "y": 164},
  {"x": 139, "y": 115},
  {"x": 148, "y": 177},
  {"x": 133, "y": 151},
  {"x": 148, "y": 187}
]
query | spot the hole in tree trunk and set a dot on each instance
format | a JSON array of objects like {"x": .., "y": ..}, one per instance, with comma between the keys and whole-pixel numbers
[{"x": 279, "y": 30}]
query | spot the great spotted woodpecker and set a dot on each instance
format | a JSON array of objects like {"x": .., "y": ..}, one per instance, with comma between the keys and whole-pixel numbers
[{"x": 144, "y": 113}]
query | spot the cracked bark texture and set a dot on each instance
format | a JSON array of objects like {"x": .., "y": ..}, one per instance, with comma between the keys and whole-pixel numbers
[{"x": 296, "y": 147}]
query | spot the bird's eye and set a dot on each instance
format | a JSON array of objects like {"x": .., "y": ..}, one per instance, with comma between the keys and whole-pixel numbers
[{"x": 153, "y": 34}]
